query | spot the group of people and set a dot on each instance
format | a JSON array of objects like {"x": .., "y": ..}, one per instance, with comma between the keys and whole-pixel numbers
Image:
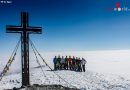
[{"x": 69, "y": 63}]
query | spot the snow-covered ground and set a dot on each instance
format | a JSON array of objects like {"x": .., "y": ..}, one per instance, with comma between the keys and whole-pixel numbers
[{"x": 106, "y": 70}]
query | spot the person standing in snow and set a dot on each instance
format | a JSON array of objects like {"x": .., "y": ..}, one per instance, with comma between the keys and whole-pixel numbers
[
  {"x": 66, "y": 63},
  {"x": 76, "y": 64},
  {"x": 70, "y": 62},
  {"x": 58, "y": 64},
  {"x": 73, "y": 63},
  {"x": 83, "y": 62},
  {"x": 62, "y": 63},
  {"x": 79, "y": 65},
  {"x": 55, "y": 62}
]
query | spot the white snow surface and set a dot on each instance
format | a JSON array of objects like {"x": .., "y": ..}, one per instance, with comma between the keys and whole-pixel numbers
[{"x": 105, "y": 70}]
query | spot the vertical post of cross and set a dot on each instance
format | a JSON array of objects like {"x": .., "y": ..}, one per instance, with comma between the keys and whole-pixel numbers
[
  {"x": 24, "y": 29},
  {"x": 25, "y": 50}
]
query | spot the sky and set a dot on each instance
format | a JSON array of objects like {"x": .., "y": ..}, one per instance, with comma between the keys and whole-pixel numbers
[{"x": 68, "y": 25}]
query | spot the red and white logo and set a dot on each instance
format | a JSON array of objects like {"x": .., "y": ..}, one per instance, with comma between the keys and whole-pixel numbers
[{"x": 119, "y": 8}]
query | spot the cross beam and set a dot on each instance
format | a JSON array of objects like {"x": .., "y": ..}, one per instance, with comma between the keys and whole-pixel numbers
[{"x": 24, "y": 29}]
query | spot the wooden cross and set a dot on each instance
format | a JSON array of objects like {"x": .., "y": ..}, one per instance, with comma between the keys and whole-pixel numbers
[{"x": 24, "y": 29}]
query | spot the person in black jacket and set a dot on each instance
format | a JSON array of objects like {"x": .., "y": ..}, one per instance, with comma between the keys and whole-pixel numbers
[
  {"x": 66, "y": 62},
  {"x": 73, "y": 63},
  {"x": 55, "y": 62},
  {"x": 79, "y": 65}
]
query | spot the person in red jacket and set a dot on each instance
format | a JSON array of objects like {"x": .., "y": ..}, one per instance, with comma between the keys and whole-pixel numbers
[{"x": 70, "y": 62}]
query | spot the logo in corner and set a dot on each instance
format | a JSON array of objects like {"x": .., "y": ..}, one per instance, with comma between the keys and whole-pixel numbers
[{"x": 119, "y": 8}]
